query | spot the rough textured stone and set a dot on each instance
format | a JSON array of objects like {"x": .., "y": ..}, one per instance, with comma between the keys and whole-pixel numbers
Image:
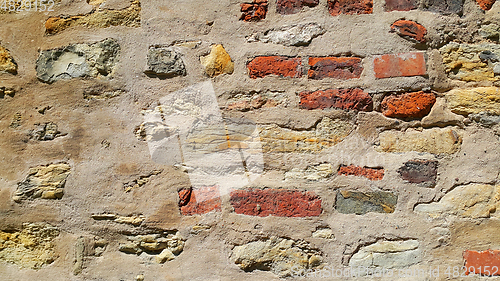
[
  {"x": 397, "y": 65},
  {"x": 441, "y": 115},
  {"x": 7, "y": 91},
  {"x": 141, "y": 181},
  {"x": 217, "y": 62},
  {"x": 369, "y": 173},
  {"x": 409, "y": 30},
  {"x": 200, "y": 200},
  {"x": 327, "y": 133},
  {"x": 278, "y": 255},
  {"x": 7, "y": 63},
  {"x": 276, "y": 202},
  {"x": 45, "y": 131},
  {"x": 275, "y": 65},
  {"x": 387, "y": 254},
  {"x": 485, "y": 4},
  {"x": 135, "y": 220},
  {"x": 436, "y": 141},
  {"x": 256, "y": 100},
  {"x": 130, "y": 16},
  {"x": 323, "y": 233},
  {"x": 254, "y": 11},
  {"x": 92, "y": 94},
  {"x": 290, "y": 35},
  {"x": 350, "y": 7},
  {"x": 444, "y": 6},
  {"x": 287, "y": 7},
  {"x": 162, "y": 247},
  {"x": 490, "y": 31},
  {"x": 473, "y": 101},
  {"x": 360, "y": 203},
  {"x": 420, "y": 171},
  {"x": 486, "y": 119},
  {"x": 43, "y": 181},
  {"x": 164, "y": 62},
  {"x": 353, "y": 99},
  {"x": 312, "y": 173},
  {"x": 32, "y": 247},
  {"x": 468, "y": 201},
  {"x": 334, "y": 67},
  {"x": 485, "y": 263},
  {"x": 78, "y": 60},
  {"x": 408, "y": 105},
  {"x": 400, "y": 5}
]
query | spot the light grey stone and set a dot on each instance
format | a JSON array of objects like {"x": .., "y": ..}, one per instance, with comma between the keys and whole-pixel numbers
[
  {"x": 164, "y": 62},
  {"x": 293, "y": 35}
]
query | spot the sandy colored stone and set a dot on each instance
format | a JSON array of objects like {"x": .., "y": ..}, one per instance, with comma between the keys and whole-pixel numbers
[
  {"x": 7, "y": 63},
  {"x": 470, "y": 101},
  {"x": 42, "y": 179},
  {"x": 441, "y": 115},
  {"x": 293, "y": 35},
  {"x": 252, "y": 100},
  {"x": 387, "y": 254},
  {"x": 323, "y": 233},
  {"x": 217, "y": 62},
  {"x": 312, "y": 173},
  {"x": 436, "y": 141}
]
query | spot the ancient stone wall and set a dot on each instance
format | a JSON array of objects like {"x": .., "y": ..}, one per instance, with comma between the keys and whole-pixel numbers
[{"x": 249, "y": 140}]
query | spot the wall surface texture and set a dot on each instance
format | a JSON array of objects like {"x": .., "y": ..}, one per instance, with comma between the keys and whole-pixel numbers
[{"x": 249, "y": 140}]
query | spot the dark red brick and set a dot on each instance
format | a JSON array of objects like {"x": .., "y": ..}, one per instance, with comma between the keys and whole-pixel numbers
[
  {"x": 409, "y": 105},
  {"x": 254, "y": 11},
  {"x": 373, "y": 174},
  {"x": 400, "y": 5},
  {"x": 335, "y": 67},
  {"x": 276, "y": 202},
  {"x": 398, "y": 65},
  {"x": 198, "y": 201},
  {"x": 275, "y": 65},
  {"x": 350, "y": 7},
  {"x": 485, "y": 262},
  {"x": 410, "y": 30},
  {"x": 485, "y": 4},
  {"x": 353, "y": 99},
  {"x": 420, "y": 171},
  {"x": 287, "y": 7}
]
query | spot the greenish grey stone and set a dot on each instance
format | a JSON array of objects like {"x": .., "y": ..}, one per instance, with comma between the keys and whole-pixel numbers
[
  {"x": 164, "y": 62},
  {"x": 360, "y": 203}
]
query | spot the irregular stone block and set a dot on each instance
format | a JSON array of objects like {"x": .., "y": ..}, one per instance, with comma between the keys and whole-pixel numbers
[
  {"x": 486, "y": 119},
  {"x": 474, "y": 101},
  {"x": 254, "y": 11},
  {"x": 485, "y": 4},
  {"x": 408, "y": 105},
  {"x": 78, "y": 60},
  {"x": 400, "y": 65},
  {"x": 420, "y": 171},
  {"x": 276, "y": 202},
  {"x": 200, "y": 200},
  {"x": 435, "y": 141},
  {"x": 17, "y": 120},
  {"x": 43, "y": 181},
  {"x": 312, "y": 173},
  {"x": 164, "y": 62},
  {"x": 467, "y": 201},
  {"x": 45, "y": 131},
  {"x": 135, "y": 220},
  {"x": 7, "y": 63},
  {"x": 101, "y": 95},
  {"x": 360, "y": 203},
  {"x": 350, "y": 7},
  {"x": 334, "y": 67},
  {"x": 217, "y": 62},
  {"x": 287, "y": 7},
  {"x": 275, "y": 65},
  {"x": 277, "y": 255},
  {"x": 409, "y": 30},
  {"x": 292, "y": 35},
  {"x": 327, "y": 133},
  {"x": 7, "y": 91},
  {"x": 323, "y": 233},
  {"x": 98, "y": 18},
  {"x": 387, "y": 255},
  {"x": 256, "y": 100},
  {"x": 352, "y": 99},
  {"x": 441, "y": 115},
  {"x": 141, "y": 181},
  {"x": 373, "y": 174},
  {"x": 485, "y": 263},
  {"x": 490, "y": 31},
  {"x": 400, "y": 5},
  {"x": 163, "y": 246},
  {"x": 444, "y": 6}
]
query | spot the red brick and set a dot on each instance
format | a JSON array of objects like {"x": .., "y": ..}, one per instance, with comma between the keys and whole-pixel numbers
[
  {"x": 409, "y": 105},
  {"x": 354, "y": 99},
  {"x": 410, "y": 30},
  {"x": 485, "y": 4},
  {"x": 350, "y": 7},
  {"x": 335, "y": 67},
  {"x": 373, "y": 174},
  {"x": 397, "y": 65},
  {"x": 198, "y": 201},
  {"x": 275, "y": 65},
  {"x": 287, "y": 7},
  {"x": 400, "y": 5},
  {"x": 475, "y": 262},
  {"x": 254, "y": 11},
  {"x": 276, "y": 202}
]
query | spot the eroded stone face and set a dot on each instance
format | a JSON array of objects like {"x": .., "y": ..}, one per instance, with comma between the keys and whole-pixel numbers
[
  {"x": 312, "y": 173},
  {"x": 45, "y": 131},
  {"x": 277, "y": 255},
  {"x": 387, "y": 254},
  {"x": 78, "y": 60},
  {"x": 46, "y": 182},
  {"x": 435, "y": 141},
  {"x": 7, "y": 63},
  {"x": 293, "y": 35},
  {"x": 360, "y": 203},
  {"x": 160, "y": 247},
  {"x": 217, "y": 62},
  {"x": 420, "y": 171},
  {"x": 473, "y": 101},
  {"x": 164, "y": 62}
]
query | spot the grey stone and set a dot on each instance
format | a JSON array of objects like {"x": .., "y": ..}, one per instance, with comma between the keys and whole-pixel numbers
[
  {"x": 387, "y": 254},
  {"x": 78, "y": 60},
  {"x": 45, "y": 131},
  {"x": 486, "y": 119},
  {"x": 293, "y": 35},
  {"x": 444, "y": 6},
  {"x": 490, "y": 31},
  {"x": 360, "y": 203},
  {"x": 164, "y": 62},
  {"x": 488, "y": 56}
]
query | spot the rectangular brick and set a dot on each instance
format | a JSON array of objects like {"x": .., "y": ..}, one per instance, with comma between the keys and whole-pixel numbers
[
  {"x": 287, "y": 7},
  {"x": 198, "y": 201},
  {"x": 353, "y": 99},
  {"x": 276, "y": 202},
  {"x": 369, "y": 173},
  {"x": 400, "y": 5},
  {"x": 399, "y": 65},
  {"x": 482, "y": 262},
  {"x": 350, "y": 7},
  {"x": 275, "y": 65},
  {"x": 334, "y": 67},
  {"x": 254, "y": 11}
]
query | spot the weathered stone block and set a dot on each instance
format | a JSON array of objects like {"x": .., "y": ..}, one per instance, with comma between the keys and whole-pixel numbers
[
  {"x": 164, "y": 62},
  {"x": 420, "y": 171},
  {"x": 360, "y": 203},
  {"x": 275, "y": 65},
  {"x": 350, "y": 7},
  {"x": 408, "y": 105},
  {"x": 387, "y": 255},
  {"x": 436, "y": 141},
  {"x": 292, "y": 35},
  {"x": 369, "y": 173},
  {"x": 400, "y": 5},
  {"x": 256, "y": 100},
  {"x": 474, "y": 101},
  {"x": 352, "y": 99},
  {"x": 444, "y": 6},
  {"x": 217, "y": 62},
  {"x": 45, "y": 131},
  {"x": 312, "y": 173},
  {"x": 43, "y": 181},
  {"x": 7, "y": 63},
  {"x": 287, "y": 7},
  {"x": 334, "y": 67}
]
